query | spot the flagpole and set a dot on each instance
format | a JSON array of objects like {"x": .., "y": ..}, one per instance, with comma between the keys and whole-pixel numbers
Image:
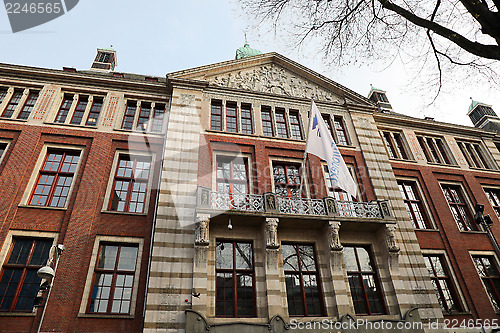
[{"x": 304, "y": 172}]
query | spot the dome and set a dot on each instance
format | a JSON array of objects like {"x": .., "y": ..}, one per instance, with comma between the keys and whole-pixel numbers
[{"x": 246, "y": 51}]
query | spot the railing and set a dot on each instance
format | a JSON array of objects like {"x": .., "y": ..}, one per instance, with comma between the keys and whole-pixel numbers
[
  {"x": 271, "y": 203},
  {"x": 241, "y": 202},
  {"x": 303, "y": 206},
  {"x": 369, "y": 210}
]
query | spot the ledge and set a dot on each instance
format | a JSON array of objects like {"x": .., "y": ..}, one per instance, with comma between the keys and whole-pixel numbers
[
  {"x": 17, "y": 314},
  {"x": 123, "y": 213},
  {"x": 104, "y": 316},
  {"x": 42, "y": 207}
]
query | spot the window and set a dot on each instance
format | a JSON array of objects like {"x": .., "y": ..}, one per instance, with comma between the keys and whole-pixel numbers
[
  {"x": 235, "y": 293},
  {"x": 441, "y": 280},
  {"x": 246, "y": 118},
  {"x": 394, "y": 144},
  {"x": 79, "y": 110},
  {"x": 231, "y": 117},
  {"x": 286, "y": 179},
  {"x": 232, "y": 175},
  {"x": 340, "y": 130},
  {"x": 295, "y": 128},
  {"x": 55, "y": 178},
  {"x": 3, "y": 93},
  {"x": 19, "y": 282},
  {"x": 488, "y": 271},
  {"x": 302, "y": 280},
  {"x": 64, "y": 109},
  {"x": 159, "y": 113},
  {"x": 339, "y": 135},
  {"x": 267, "y": 121},
  {"x": 142, "y": 122},
  {"x": 128, "y": 118},
  {"x": 95, "y": 110},
  {"x": 336, "y": 192},
  {"x": 28, "y": 105},
  {"x": 3, "y": 148},
  {"x": 281, "y": 128},
  {"x": 12, "y": 105},
  {"x": 474, "y": 154},
  {"x": 113, "y": 281},
  {"x": 458, "y": 207},
  {"x": 130, "y": 184},
  {"x": 434, "y": 150},
  {"x": 413, "y": 203},
  {"x": 363, "y": 281},
  {"x": 216, "y": 119},
  {"x": 494, "y": 199}
]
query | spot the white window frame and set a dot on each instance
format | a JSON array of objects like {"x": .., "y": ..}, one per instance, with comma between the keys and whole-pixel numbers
[
  {"x": 423, "y": 199},
  {"x": 468, "y": 202}
]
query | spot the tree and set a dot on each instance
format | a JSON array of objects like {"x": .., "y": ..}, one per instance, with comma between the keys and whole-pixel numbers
[{"x": 464, "y": 33}]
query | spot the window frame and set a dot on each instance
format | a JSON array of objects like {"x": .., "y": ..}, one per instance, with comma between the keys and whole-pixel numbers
[
  {"x": 396, "y": 145},
  {"x": 111, "y": 181},
  {"x": 216, "y": 154},
  {"x": 66, "y": 96},
  {"x": 281, "y": 111},
  {"x": 339, "y": 193},
  {"x": 28, "y": 103},
  {"x": 300, "y": 273},
  {"x": 495, "y": 261},
  {"x": 218, "y": 123},
  {"x": 7, "y": 143},
  {"x": 288, "y": 185},
  {"x": 475, "y": 154},
  {"x": 435, "y": 149},
  {"x": 234, "y": 271},
  {"x": 297, "y": 125},
  {"x": 449, "y": 278},
  {"x": 268, "y": 110},
  {"x": 246, "y": 109},
  {"x": 228, "y": 115},
  {"x": 25, "y": 201},
  {"x": 375, "y": 273},
  {"x": 495, "y": 203},
  {"x": 466, "y": 204},
  {"x": 420, "y": 201},
  {"x": 95, "y": 99},
  {"x": 133, "y": 241},
  {"x": 18, "y": 94},
  {"x": 7, "y": 245}
]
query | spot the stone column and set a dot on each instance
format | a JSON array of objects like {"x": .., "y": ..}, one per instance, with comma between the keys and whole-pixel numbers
[
  {"x": 201, "y": 242},
  {"x": 275, "y": 295}
]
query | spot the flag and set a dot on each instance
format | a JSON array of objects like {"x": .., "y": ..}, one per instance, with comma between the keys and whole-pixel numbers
[{"x": 321, "y": 144}]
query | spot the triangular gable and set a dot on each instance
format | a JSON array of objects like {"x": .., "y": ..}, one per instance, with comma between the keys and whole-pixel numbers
[{"x": 274, "y": 74}]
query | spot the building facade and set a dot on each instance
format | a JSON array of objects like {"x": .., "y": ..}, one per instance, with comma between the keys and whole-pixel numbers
[
  {"x": 80, "y": 163},
  {"x": 185, "y": 204}
]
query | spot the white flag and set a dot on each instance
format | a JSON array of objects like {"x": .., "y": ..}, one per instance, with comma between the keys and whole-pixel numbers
[{"x": 321, "y": 144}]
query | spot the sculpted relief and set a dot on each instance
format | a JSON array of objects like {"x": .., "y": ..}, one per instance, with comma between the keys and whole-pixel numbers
[{"x": 275, "y": 80}]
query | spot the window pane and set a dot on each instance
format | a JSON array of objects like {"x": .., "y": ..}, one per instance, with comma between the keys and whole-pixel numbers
[
  {"x": 243, "y": 256},
  {"x": 290, "y": 260},
  {"x": 128, "y": 257},
  {"x": 107, "y": 256},
  {"x": 306, "y": 253},
  {"x": 224, "y": 255}
]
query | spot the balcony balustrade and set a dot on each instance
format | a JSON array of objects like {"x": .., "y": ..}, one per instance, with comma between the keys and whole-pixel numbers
[{"x": 271, "y": 203}]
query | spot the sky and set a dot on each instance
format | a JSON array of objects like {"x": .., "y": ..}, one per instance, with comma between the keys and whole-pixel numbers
[{"x": 157, "y": 37}]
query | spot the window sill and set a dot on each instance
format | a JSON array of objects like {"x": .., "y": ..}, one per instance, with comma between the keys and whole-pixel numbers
[
  {"x": 426, "y": 230},
  {"x": 42, "y": 207},
  {"x": 402, "y": 160},
  {"x": 104, "y": 316},
  {"x": 13, "y": 119},
  {"x": 456, "y": 313},
  {"x": 17, "y": 314},
  {"x": 137, "y": 132},
  {"x": 444, "y": 165},
  {"x": 123, "y": 213},
  {"x": 236, "y": 320},
  {"x": 71, "y": 125},
  {"x": 483, "y": 169},
  {"x": 473, "y": 232}
]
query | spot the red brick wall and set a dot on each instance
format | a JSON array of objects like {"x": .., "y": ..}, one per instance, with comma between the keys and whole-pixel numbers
[
  {"x": 78, "y": 225},
  {"x": 448, "y": 237}
]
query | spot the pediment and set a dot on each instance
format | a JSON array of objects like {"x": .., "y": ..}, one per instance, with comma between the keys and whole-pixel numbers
[{"x": 272, "y": 74}]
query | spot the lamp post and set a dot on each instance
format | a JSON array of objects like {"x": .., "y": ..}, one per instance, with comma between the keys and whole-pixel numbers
[
  {"x": 47, "y": 273},
  {"x": 486, "y": 222}
]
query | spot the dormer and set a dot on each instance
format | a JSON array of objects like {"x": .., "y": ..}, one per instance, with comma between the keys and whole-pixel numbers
[
  {"x": 105, "y": 60},
  {"x": 379, "y": 97}
]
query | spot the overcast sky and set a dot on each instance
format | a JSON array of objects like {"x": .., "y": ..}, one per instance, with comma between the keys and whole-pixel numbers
[{"x": 160, "y": 36}]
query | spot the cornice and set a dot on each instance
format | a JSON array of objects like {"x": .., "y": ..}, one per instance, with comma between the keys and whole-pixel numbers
[{"x": 52, "y": 76}]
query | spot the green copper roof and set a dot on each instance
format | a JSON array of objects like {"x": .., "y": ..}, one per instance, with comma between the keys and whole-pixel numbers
[
  {"x": 473, "y": 105},
  {"x": 246, "y": 51}
]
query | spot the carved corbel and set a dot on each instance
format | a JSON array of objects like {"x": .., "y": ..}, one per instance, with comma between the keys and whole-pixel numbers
[
  {"x": 390, "y": 238},
  {"x": 272, "y": 233},
  {"x": 333, "y": 236},
  {"x": 202, "y": 230}
]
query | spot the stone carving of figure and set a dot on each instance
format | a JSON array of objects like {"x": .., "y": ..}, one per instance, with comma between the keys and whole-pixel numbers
[
  {"x": 272, "y": 233},
  {"x": 333, "y": 236},
  {"x": 391, "y": 238},
  {"x": 202, "y": 231}
]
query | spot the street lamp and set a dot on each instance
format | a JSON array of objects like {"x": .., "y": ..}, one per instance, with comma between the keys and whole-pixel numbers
[
  {"x": 47, "y": 273},
  {"x": 486, "y": 222}
]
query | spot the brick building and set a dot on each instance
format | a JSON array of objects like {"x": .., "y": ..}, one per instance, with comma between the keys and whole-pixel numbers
[
  {"x": 222, "y": 235},
  {"x": 80, "y": 161}
]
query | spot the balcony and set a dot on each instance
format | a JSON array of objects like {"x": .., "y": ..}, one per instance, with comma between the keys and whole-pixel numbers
[{"x": 209, "y": 201}]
